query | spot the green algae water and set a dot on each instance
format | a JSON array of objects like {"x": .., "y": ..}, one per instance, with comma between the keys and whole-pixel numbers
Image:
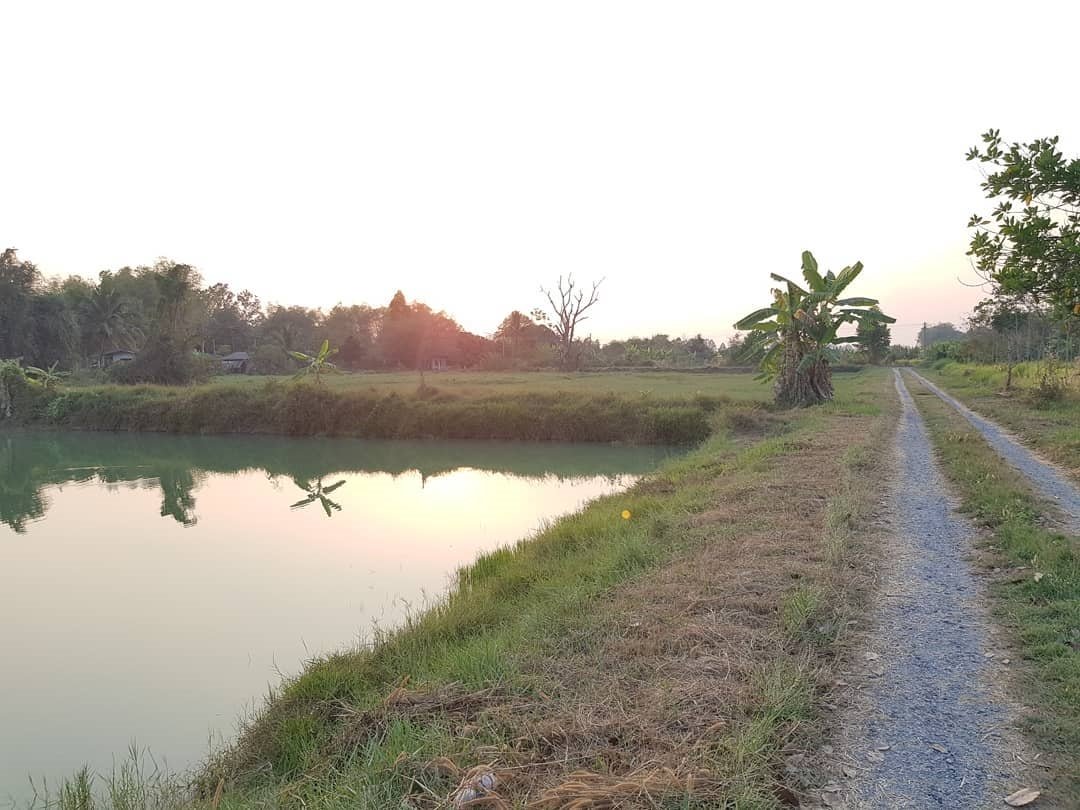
[{"x": 152, "y": 588}]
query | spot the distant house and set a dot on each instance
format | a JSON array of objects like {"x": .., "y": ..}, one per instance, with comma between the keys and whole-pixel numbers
[
  {"x": 439, "y": 363},
  {"x": 237, "y": 363},
  {"x": 115, "y": 356}
]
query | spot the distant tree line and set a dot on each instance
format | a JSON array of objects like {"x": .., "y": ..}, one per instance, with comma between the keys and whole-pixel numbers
[
  {"x": 999, "y": 334},
  {"x": 179, "y": 326}
]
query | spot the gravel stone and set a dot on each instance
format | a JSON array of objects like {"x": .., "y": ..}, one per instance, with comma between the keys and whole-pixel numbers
[
  {"x": 1044, "y": 477},
  {"x": 933, "y": 706}
]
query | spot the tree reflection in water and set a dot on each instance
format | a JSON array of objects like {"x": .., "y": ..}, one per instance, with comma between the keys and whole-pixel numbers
[
  {"x": 318, "y": 493},
  {"x": 32, "y": 462}
]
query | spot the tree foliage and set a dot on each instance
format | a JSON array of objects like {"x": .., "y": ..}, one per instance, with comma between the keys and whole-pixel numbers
[
  {"x": 794, "y": 338},
  {"x": 1030, "y": 244},
  {"x": 938, "y": 333},
  {"x": 875, "y": 338}
]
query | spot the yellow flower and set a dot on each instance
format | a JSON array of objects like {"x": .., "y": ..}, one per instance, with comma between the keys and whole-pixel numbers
[{"x": 625, "y": 514}]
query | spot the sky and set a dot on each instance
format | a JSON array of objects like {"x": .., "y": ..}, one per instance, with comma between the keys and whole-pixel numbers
[{"x": 470, "y": 152}]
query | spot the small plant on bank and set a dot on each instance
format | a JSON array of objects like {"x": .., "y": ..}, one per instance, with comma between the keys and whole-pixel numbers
[
  {"x": 1053, "y": 381},
  {"x": 48, "y": 378},
  {"x": 318, "y": 364},
  {"x": 13, "y": 386},
  {"x": 794, "y": 338}
]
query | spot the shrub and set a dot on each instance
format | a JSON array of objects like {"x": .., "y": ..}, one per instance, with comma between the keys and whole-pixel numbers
[
  {"x": 165, "y": 363},
  {"x": 14, "y": 389},
  {"x": 271, "y": 359},
  {"x": 1052, "y": 381}
]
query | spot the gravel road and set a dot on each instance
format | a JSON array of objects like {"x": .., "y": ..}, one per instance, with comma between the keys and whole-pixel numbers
[
  {"x": 1045, "y": 478},
  {"x": 931, "y": 728}
]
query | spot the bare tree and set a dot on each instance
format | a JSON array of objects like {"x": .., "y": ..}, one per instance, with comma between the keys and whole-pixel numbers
[{"x": 569, "y": 303}]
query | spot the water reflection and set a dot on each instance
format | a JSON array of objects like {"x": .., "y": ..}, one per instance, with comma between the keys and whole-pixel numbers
[
  {"x": 152, "y": 586},
  {"x": 30, "y": 463},
  {"x": 318, "y": 493}
]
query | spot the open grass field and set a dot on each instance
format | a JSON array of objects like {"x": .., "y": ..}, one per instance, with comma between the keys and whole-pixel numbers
[
  {"x": 487, "y": 383},
  {"x": 1051, "y": 427}
]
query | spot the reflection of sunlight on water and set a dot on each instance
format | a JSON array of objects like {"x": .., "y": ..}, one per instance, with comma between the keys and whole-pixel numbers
[{"x": 132, "y": 625}]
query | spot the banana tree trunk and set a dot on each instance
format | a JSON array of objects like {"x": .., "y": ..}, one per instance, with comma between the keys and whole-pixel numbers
[{"x": 797, "y": 387}]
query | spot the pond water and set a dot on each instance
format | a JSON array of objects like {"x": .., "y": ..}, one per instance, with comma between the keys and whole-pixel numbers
[{"x": 152, "y": 587}]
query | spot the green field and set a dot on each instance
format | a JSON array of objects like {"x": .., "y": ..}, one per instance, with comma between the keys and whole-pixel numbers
[
  {"x": 634, "y": 408},
  {"x": 486, "y": 383}
]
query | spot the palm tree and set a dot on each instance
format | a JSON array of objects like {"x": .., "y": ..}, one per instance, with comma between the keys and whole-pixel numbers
[
  {"x": 794, "y": 337},
  {"x": 512, "y": 331},
  {"x": 109, "y": 319}
]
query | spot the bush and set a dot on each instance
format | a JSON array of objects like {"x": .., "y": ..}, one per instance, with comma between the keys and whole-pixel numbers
[
  {"x": 14, "y": 389},
  {"x": 271, "y": 359},
  {"x": 164, "y": 363},
  {"x": 1052, "y": 382}
]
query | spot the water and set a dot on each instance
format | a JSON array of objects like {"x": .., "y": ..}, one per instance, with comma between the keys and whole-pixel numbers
[{"x": 152, "y": 587}]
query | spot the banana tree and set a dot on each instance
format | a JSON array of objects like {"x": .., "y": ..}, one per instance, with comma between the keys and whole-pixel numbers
[
  {"x": 47, "y": 378},
  {"x": 317, "y": 364},
  {"x": 794, "y": 339}
]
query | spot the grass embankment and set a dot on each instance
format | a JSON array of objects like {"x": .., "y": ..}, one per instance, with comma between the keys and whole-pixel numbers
[
  {"x": 665, "y": 660},
  {"x": 479, "y": 384},
  {"x": 1035, "y": 575},
  {"x": 1052, "y": 427},
  {"x": 306, "y": 409}
]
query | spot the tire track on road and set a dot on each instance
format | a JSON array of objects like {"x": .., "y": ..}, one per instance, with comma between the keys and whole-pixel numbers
[
  {"x": 931, "y": 724},
  {"x": 1046, "y": 479}
]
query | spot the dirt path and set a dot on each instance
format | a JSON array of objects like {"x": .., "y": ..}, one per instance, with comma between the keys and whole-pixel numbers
[
  {"x": 1044, "y": 477},
  {"x": 931, "y": 727}
]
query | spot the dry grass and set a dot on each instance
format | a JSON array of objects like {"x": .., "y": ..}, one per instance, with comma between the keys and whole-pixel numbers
[{"x": 680, "y": 670}]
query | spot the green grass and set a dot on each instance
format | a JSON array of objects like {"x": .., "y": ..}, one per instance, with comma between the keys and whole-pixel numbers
[
  {"x": 475, "y": 384},
  {"x": 1038, "y": 599},
  {"x": 662, "y": 408},
  {"x": 1053, "y": 428}
]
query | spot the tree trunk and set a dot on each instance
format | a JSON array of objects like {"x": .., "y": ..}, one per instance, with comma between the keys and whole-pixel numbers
[{"x": 801, "y": 388}]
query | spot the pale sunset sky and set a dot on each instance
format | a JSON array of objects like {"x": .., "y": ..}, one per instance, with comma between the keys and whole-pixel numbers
[{"x": 469, "y": 152}]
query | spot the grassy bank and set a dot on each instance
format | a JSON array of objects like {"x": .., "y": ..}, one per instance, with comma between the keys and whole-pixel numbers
[
  {"x": 1035, "y": 572},
  {"x": 305, "y": 409},
  {"x": 662, "y": 660},
  {"x": 1050, "y": 426},
  {"x": 678, "y": 657}
]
